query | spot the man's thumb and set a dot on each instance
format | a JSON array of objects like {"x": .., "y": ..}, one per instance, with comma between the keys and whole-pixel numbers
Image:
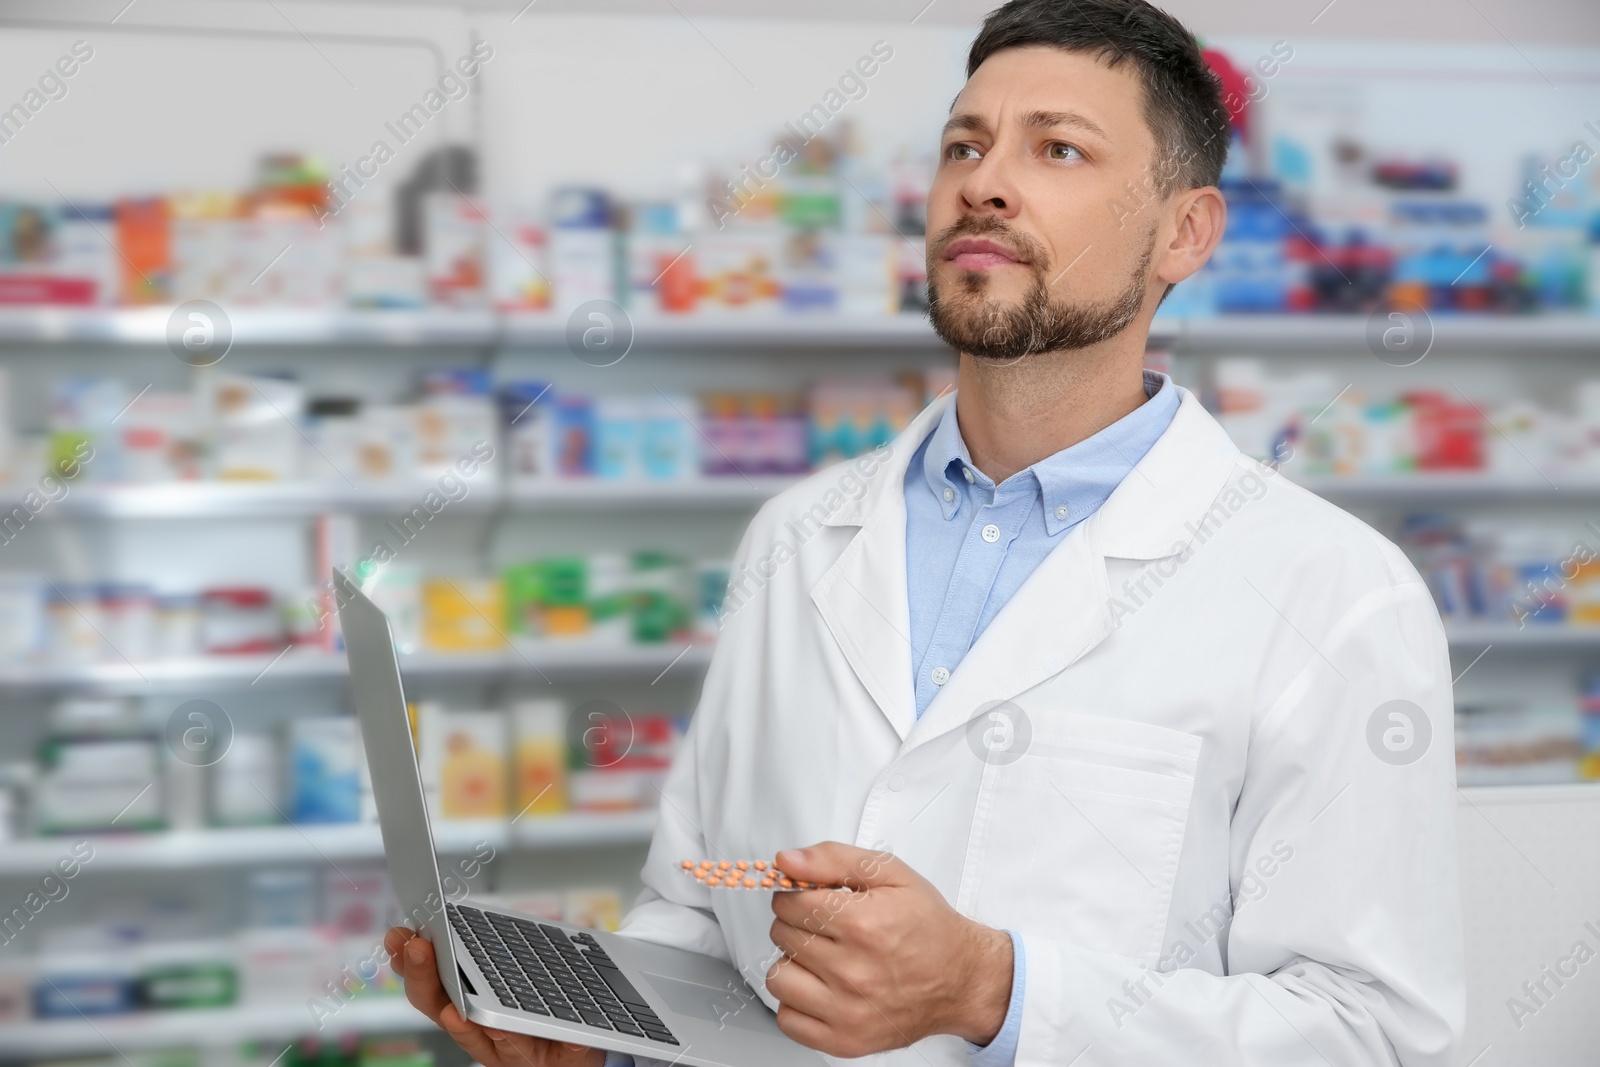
[{"x": 832, "y": 863}]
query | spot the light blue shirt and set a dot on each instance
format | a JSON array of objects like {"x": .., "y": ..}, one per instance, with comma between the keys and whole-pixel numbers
[{"x": 971, "y": 544}]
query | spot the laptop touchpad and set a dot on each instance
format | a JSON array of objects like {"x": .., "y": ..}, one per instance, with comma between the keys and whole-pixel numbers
[{"x": 721, "y": 1006}]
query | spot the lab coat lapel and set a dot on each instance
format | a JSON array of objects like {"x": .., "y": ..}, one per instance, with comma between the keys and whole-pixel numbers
[
  {"x": 1060, "y": 613},
  {"x": 862, "y": 597},
  {"x": 1064, "y": 608}
]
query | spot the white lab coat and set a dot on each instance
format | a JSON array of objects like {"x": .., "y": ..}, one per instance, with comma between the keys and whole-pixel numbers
[{"x": 1205, "y": 856}]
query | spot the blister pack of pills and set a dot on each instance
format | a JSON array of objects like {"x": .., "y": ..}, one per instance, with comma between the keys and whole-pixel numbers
[{"x": 747, "y": 874}]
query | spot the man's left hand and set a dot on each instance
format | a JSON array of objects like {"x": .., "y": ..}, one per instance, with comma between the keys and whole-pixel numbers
[{"x": 885, "y": 965}]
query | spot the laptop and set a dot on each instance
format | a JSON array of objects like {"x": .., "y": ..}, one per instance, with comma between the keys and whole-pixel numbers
[{"x": 516, "y": 973}]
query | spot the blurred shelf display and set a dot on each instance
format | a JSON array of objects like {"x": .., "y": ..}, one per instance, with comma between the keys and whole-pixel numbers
[
  {"x": 251, "y": 326},
  {"x": 447, "y": 327},
  {"x": 556, "y": 658},
  {"x": 262, "y": 845},
  {"x": 1535, "y": 635},
  {"x": 206, "y": 1027},
  {"x": 226, "y": 500},
  {"x": 289, "y": 499}
]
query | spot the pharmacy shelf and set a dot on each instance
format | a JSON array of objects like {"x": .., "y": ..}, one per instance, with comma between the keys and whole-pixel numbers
[
  {"x": 249, "y": 500},
  {"x": 20, "y": 326},
  {"x": 1270, "y": 335},
  {"x": 186, "y": 850},
  {"x": 1448, "y": 487},
  {"x": 252, "y": 326},
  {"x": 202, "y": 1027},
  {"x": 733, "y": 331},
  {"x": 1475, "y": 636},
  {"x": 1554, "y": 793},
  {"x": 550, "y": 659}
]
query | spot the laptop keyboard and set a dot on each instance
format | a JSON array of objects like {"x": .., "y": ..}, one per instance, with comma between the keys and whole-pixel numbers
[{"x": 540, "y": 969}]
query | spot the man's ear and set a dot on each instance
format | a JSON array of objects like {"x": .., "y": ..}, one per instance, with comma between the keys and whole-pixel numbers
[{"x": 1198, "y": 217}]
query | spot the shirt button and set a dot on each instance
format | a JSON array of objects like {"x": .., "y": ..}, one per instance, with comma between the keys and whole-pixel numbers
[
  {"x": 991, "y": 533},
  {"x": 968, "y": 472},
  {"x": 1061, "y": 511},
  {"x": 949, "y": 494},
  {"x": 896, "y": 783},
  {"x": 940, "y": 676}
]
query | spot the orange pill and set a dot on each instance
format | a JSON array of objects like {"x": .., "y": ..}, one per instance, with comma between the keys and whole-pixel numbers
[
  {"x": 787, "y": 883},
  {"x": 701, "y": 875},
  {"x": 761, "y": 865},
  {"x": 724, "y": 865},
  {"x": 743, "y": 865},
  {"x": 687, "y": 864},
  {"x": 766, "y": 883},
  {"x": 705, "y": 865},
  {"x": 713, "y": 881},
  {"x": 749, "y": 883}
]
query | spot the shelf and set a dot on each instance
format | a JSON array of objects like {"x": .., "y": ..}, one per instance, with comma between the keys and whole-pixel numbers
[
  {"x": 737, "y": 331},
  {"x": 1556, "y": 793},
  {"x": 1445, "y": 487},
  {"x": 1274, "y": 334},
  {"x": 536, "y": 659},
  {"x": 202, "y": 1027},
  {"x": 229, "y": 500},
  {"x": 1476, "y": 635},
  {"x": 484, "y": 328},
  {"x": 187, "y": 850},
  {"x": 251, "y": 326}
]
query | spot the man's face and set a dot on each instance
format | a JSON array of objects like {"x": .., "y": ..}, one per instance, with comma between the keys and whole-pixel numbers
[{"x": 1035, "y": 243}]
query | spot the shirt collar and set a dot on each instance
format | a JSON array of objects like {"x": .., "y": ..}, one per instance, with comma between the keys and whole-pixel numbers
[{"x": 1078, "y": 478}]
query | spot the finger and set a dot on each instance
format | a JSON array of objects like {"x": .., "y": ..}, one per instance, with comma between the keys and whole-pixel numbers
[
  {"x": 799, "y": 988},
  {"x": 394, "y": 943},
  {"x": 473, "y": 1039},
  {"x": 813, "y": 950},
  {"x": 811, "y": 910},
  {"x": 421, "y": 979},
  {"x": 805, "y": 1029},
  {"x": 521, "y": 1050},
  {"x": 835, "y": 863}
]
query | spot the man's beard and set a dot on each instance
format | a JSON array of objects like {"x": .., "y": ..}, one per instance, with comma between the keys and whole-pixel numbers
[{"x": 989, "y": 329}]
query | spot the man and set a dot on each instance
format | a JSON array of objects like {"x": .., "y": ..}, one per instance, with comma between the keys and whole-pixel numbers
[{"x": 1142, "y": 753}]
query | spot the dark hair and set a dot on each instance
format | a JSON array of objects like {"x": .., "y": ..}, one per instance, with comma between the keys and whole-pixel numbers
[{"x": 1182, "y": 97}]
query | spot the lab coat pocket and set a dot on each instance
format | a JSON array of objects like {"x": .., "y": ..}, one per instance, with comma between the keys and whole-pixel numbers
[{"x": 1078, "y": 840}]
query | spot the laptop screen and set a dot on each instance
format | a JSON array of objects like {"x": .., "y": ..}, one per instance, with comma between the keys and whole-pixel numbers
[{"x": 396, "y": 778}]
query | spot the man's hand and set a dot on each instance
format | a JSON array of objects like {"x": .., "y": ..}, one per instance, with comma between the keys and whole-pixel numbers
[
  {"x": 884, "y": 966},
  {"x": 413, "y": 961}
]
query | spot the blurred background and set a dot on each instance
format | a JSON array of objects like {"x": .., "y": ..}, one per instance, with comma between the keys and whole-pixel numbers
[{"x": 521, "y": 309}]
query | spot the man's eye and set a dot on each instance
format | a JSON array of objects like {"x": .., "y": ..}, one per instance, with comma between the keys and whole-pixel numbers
[
  {"x": 1061, "y": 150},
  {"x": 959, "y": 152}
]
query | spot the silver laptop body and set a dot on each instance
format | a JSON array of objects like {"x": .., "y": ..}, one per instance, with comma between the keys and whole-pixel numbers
[{"x": 509, "y": 971}]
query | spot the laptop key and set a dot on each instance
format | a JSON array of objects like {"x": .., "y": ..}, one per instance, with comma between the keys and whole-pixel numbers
[
  {"x": 563, "y": 1012},
  {"x": 595, "y": 1018},
  {"x": 620, "y": 986}
]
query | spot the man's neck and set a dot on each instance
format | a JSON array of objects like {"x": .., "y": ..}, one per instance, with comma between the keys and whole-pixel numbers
[{"x": 1014, "y": 414}]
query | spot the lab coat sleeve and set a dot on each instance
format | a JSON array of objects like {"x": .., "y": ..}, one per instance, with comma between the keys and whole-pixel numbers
[{"x": 1349, "y": 953}]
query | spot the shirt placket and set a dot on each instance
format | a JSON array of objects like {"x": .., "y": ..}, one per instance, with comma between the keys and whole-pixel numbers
[{"x": 994, "y": 525}]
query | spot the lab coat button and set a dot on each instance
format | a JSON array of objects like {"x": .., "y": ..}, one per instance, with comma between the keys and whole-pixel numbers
[
  {"x": 896, "y": 782},
  {"x": 991, "y": 533},
  {"x": 940, "y": 676}
]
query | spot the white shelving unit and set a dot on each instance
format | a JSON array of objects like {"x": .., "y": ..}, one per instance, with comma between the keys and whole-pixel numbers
[
  {"x": 221, "y": 1027},
  {"x": 247, "y": 846},
  {"x": 575, "y": 659},
  {"x": 485, "y": 328}
]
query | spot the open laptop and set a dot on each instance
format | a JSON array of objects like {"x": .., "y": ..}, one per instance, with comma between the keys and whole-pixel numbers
[{"x": 509, "y": 971}]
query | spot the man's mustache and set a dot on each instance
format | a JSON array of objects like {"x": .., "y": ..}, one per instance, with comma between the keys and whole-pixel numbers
[{"x": 1029, "y": 251}]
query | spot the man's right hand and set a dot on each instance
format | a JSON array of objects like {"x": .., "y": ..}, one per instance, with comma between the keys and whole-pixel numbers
[{"x": 413, "y": 962}]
